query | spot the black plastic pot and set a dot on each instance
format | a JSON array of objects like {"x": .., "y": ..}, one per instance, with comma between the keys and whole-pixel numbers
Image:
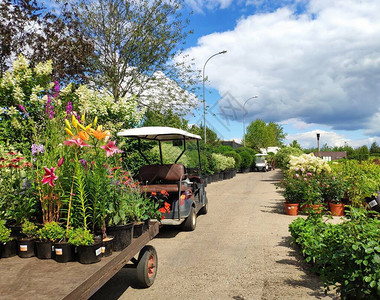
[
  {"x": 64, "y": 252},
  {"x": 25, "y": 248},
  {"x": 107, "y": 246},
  {"x": 89, "y": 254},
  {"x": 138, "y": 229},
  {"x": 44, "y": 250},
  {"x": 9, "y": 249},
  {"x": 122, "y": 236}
]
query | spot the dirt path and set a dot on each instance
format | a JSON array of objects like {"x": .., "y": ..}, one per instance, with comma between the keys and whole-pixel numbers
[{"x": 239, "y": 250}]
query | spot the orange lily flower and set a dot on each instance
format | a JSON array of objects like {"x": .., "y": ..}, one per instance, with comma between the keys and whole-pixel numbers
[
  {"x": 83, "y": 135},
  {"x": 99, "y": 134}
]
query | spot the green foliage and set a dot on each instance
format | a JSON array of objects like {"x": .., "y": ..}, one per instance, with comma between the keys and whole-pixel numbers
[
  {"x": 169, "y": 154},
  {"x": 294, "y": 144},
  {"x": 51, "y": 231},
  {"x": 80, "y": 237},
  {"x": 29, "y": 229},
  {"x": 211, "y": 136},
  {"x": 346, "y": 255},
  {"x": 262, "y": 135},
  {"x": 5, "y": 233},
  {"x": 221, "y": 162},
  {"x": 235, "y": 156},
  {"x": 246, "y": 159},
  {"x": 360, "y": 179},
  {"x": 282, "y": 157},
  {"x": 167, "y": 118}
]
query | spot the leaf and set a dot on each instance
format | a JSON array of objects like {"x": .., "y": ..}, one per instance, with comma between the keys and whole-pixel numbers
[
  {"x": 372, "y": 284},
  {"x": 355, "y": 247},
  {"x": 365, "y": 262},
  {"x": 376, "y": 259}
]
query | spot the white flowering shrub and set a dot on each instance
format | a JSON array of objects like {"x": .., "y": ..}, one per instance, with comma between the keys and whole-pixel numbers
[
  {"x": 221, "y": 162},
  {"x": 308, "y": 163},
  {"x": 113, "y": 115}
]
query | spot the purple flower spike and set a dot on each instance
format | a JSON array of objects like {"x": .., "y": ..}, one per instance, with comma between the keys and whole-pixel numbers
[{"x": 56, "y": 89}]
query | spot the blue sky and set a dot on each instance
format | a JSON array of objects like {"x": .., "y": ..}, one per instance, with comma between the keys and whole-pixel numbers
[{"x": 315, "y": 66}]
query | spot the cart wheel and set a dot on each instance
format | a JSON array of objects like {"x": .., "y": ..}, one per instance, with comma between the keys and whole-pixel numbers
[
  {"x": 191, "y": 221},
  {"x": 204, "y": 209},
  {"x": 146, "y": 269}
]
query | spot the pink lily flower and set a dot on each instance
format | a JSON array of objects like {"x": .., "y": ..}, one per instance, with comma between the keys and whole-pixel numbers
[
  {"x": 111, "y": 149},
  {"x": 60, "y": 161},
  {"x": 77, "y": 142},
  {"x": 49, "y": 176}
]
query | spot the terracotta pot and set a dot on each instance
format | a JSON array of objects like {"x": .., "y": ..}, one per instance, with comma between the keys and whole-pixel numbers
[
  {"x": 337, "y": 209},
  {"x": 291, "y": 209}
]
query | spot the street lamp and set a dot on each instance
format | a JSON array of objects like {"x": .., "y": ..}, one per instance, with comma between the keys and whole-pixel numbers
[
  {"x": 244, "y": 113},
  {"x": 204, "y": 97},
  {"x": 318, "y": 136}
]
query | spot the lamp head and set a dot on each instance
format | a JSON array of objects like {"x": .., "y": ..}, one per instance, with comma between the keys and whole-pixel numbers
[{"x": 222, "y": 52}]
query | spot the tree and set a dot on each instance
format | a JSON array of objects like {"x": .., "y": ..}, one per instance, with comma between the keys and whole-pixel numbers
[
  {"x": 167, "y": 118},
  {"x": 40, "y": 35},
  {"x": 263, "y": 135},
  {"x": 294, "y": 144},
  {"x": 211, "y": 136},
  {"x": 374, "y": 148},
  {"x": 133, "y": 40}
]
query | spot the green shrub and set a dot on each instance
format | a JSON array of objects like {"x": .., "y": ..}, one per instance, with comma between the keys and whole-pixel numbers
[
  {"x": 29, "y": 229},
  {"x": 282, "y": 157},
  {"x": 51, "y": 231},
  {"x": 246, "y": 159},
  {"x": 345, "y": 255},
  {"x": 80, "y": 237},
  {"x": 221, "y": 162},
  {"x": 5, "y": 233},
  {"x": 235, "y": 156},
  {"x": 169, "y": 154}
]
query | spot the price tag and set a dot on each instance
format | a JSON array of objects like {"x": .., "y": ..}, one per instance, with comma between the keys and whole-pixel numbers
[
  {"x": 98, "y": 251},
  {"x": 23, "y": 248},
  {"x": 373, "y": 203},
  {"x": 58, "y": 251}
]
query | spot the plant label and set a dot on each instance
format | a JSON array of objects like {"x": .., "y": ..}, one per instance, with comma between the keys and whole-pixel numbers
[
  {"x": 373, "y": 203},
  {"x": 52, "y": 248},
  {"x": 23, "y": 248},
  {"x": 58, "y": 251},
  {"x": 98, "y": 251},
  {"x": 103, "y": 249}
]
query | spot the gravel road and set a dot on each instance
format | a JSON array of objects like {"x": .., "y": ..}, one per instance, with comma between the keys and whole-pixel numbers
[{"x": 239, "y": 250}]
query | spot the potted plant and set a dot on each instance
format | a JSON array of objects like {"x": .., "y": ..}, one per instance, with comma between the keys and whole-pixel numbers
[
  {"x": 8, "y": 245},
  {"x": 26, "y": 244},
  {"x": 88, "y": 251},
  {"x": 50, "y": 233},
  {"x": 293, "y": 191},
  {"x": 333, "y": 190},
  {"x": 313, "y": 197}
]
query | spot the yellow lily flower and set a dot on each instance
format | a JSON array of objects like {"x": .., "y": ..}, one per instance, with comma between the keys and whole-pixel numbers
[
  {"x": 95, "y": 121},
  {"x": 74, "y": 121},
  {"x": 67, "y": 124},
  {"x": 69, "y": 132},
  {"x": 81, "y": 126}
]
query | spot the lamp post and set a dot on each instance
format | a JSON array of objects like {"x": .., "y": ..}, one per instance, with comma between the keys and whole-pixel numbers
[
  {"x": 245, "y": 114},
  {"x": 204, "y": 97},
  {"x": 318, "y": 136}
]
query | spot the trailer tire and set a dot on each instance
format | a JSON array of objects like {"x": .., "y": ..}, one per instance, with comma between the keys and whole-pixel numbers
[
  {"x": 191, "y": 221},
  {"x": 146, "y": 269}
]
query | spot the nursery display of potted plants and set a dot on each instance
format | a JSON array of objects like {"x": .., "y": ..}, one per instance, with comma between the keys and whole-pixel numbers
[
  {"x": 50, "y": 233},
  {"x": 88, "y": 251},
  {"x": 333, "y": 190},
  {"x": 26, "y": 244},
  {"x": 8, "y": 245}
]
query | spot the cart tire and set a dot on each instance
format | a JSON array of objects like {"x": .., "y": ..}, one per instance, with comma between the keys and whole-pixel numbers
[
  {"x": 146, "y": 269},
  {"x": 191, "y": 221},
  {"x": 204, "y": 209}
]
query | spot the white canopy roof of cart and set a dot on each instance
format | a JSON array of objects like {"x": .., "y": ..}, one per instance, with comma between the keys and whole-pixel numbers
[{"x": 159, "y": 133}]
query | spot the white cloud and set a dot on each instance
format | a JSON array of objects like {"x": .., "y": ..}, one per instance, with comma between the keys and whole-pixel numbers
[
  {"x": 321, "y": 66},
  {"x": 309, "y": 139}
]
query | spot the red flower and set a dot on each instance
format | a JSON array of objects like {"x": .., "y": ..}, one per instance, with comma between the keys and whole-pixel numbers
[
  {"x": 162, "y": 210},
  {"x": 111, "y": 149},
  {"x": 49, "y": 176},
  {"x": 163, "y": 192},
  {"x": 60, "y": 162},
  {"x": 76, "y": 142},
  {"x": 153, "y": 193}
]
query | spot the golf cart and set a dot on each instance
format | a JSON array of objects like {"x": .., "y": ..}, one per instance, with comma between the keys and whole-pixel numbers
[
  {"x": 261, "y": 163},
  {"x": 187, "y": 194}
]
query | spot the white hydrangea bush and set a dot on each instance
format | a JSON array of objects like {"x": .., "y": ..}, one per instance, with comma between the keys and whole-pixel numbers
[
  {"x": 308, "y": 163},
  {"x": 222, "y": 162}
]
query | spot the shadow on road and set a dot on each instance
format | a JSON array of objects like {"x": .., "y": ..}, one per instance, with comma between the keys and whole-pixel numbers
[
  {"x": 276, "y": 206},
  {"x": 168, "y": 232},
  {"x": 309, "y": 280}
]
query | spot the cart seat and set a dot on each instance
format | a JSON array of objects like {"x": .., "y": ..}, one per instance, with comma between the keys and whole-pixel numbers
[{"x": 155, "y": 178}]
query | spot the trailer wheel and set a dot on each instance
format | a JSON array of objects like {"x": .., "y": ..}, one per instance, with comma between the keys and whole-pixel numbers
[
  {"x": 191, "y": 221},
  {"x": 146, "y": 269}
]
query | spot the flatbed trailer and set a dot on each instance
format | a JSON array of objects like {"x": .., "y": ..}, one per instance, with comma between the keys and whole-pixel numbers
[{"x": 33, "y": 278}]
